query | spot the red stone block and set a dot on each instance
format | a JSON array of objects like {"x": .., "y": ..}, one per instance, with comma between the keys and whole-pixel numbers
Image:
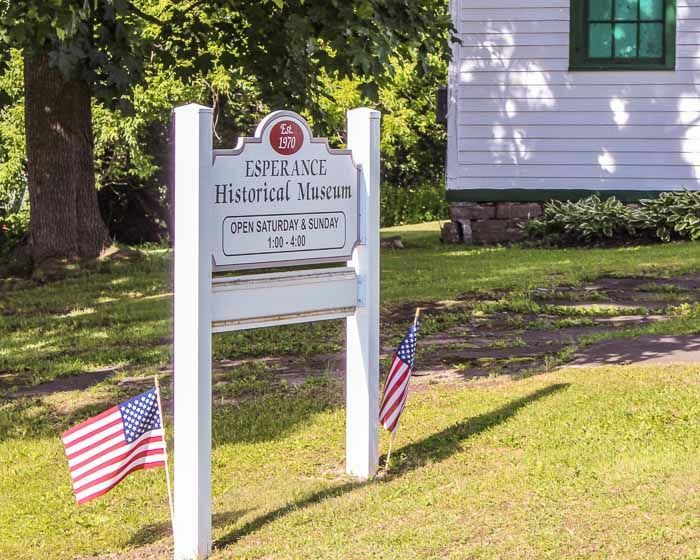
[
  {"x": 460, "y": 211},
  {"x": 518, "y": 210},
  {"x": 489, "y": 232}
]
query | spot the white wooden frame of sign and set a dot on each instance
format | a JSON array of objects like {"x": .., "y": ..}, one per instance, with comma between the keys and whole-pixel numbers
[{"x": 206, "y": 305}]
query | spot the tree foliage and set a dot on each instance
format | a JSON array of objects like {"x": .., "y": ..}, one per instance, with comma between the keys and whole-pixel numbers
[
  {"x": 12, "y": 149},
  {"x": 318, "y": 57},
  {"x": 412, "y": 142},
  {"x": 96, "y": 41},
  {"x": 283, "y": 43}
]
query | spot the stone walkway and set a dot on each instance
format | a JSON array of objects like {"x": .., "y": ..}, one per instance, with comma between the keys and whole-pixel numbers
[
  {"x": 642, "y": 350},
  {"x": 489, "y": 334}
]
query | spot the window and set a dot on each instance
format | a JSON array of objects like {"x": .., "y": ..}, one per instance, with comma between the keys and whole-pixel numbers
[{"x": 623, "y": 35}]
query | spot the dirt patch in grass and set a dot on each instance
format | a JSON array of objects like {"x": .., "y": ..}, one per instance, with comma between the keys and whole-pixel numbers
[
  {"x": 479, "y": 335},
  {"x": 652, "y": 293},
  {"x": 63, "y": 384}
]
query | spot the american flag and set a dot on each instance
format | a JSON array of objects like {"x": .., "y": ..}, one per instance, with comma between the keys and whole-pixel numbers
[
  {"x": 396, "y": 386},
  {"x": 104, "y": 449}
]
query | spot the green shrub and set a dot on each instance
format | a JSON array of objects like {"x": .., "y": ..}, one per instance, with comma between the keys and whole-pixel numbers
[
  {"x": 13, "y": 179},
  {"x": 413, "y": 204},
  {"x": 13, "y": 227},
  {"x": 588, "y": 220},
  {"x": 673, "y": 215}
]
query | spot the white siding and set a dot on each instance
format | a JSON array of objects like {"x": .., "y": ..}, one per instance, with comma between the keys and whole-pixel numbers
[{"x": 519, "y": 119}]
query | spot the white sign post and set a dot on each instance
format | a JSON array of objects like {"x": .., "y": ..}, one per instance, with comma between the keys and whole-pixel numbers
[
  {"x": 281, "y": 198},
  {"x": 362, "y": 353}
]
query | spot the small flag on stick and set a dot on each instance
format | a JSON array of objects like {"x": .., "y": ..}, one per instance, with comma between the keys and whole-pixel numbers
[
  {"x": 396, "y": 386},
  {"x": 104, "y": 449}
]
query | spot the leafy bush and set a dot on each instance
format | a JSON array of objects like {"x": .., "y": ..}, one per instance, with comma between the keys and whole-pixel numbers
[
  {"x": 412, "y": 142},
  {"x": 13, "y": 179},
  {"x": 673, "y": 215},
  {"x": 412, "y": 204},
  {"x": 584, "y": 221},
  {"x": 12, "y": 228},
  {"x": 132, "y": 147}
]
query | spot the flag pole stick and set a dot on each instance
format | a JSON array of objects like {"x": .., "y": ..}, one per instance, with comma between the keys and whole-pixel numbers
[
  {"x": 165, "y": 449},
  {"x": 415, "y": 322},
  {"x": 391, "y": 444}
]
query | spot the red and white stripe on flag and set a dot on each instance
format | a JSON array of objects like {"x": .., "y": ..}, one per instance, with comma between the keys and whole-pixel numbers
[
  {"x": 396, "y": 386},
  {"x": 104, "y": 449}
]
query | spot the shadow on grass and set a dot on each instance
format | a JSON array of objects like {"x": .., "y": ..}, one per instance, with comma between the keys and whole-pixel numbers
[
  {"x": 434, "y": 448},
  {"x": 156, "y": 531}
]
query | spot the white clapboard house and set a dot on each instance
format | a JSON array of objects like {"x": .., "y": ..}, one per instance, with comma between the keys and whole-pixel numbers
[{"x": 564, "y": 98}]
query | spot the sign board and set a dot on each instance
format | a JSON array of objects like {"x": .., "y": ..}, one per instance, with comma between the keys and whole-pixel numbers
[
  {"x": 283, "y": 198},
  {"x": 279, "y": 198}
]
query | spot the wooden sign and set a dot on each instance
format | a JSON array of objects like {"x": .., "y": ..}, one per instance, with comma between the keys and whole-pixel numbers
[
  {"x": 283, "y": 198},
  {"x": 279, "y": 198}
]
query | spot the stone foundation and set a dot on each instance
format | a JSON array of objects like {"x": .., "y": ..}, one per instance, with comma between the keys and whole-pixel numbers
[{"x": 488, "y": 223}]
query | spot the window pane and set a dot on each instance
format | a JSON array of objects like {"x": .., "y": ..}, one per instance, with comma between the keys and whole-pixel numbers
[
  {"x": 626, "y": 40},
  {"x": 651, "y": 40},
  {"x": 600, "y": 40},
  {"x": 599, "y": 9},
  {"x": 626, "y": 9},
  {"x": 651, "y": 9}
]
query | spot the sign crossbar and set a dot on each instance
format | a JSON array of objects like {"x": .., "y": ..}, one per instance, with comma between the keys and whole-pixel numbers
[{"x": 260, "y": 300}]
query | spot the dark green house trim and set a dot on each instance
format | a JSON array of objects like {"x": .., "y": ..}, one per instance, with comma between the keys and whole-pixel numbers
[{"x": 541, "y": 195}]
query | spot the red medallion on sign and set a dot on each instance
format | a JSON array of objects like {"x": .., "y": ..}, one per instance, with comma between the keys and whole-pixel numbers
[{"x": 286, "y": 138}]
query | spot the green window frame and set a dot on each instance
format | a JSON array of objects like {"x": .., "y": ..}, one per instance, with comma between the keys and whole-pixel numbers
[{"x": 610, "y": 35}]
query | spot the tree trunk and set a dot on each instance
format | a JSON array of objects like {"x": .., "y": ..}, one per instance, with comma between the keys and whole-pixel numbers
[{"x": 65, "y": 220}]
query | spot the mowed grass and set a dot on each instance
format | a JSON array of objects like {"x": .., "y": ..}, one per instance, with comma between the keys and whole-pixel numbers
[
  {"x": 582, "y": 463},
  {"x": 427, "y": 269},
  {"x": 579, "y": 463}
]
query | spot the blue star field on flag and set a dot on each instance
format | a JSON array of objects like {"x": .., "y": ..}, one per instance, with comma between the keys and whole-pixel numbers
[
  {"x": 407, "y": 348},
  {"x": 140, "y": 415}
]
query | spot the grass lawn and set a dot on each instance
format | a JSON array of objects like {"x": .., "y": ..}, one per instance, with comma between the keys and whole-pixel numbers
[
  {"x": 430, "y": 270},
  {"x": 571, "y": 463}
]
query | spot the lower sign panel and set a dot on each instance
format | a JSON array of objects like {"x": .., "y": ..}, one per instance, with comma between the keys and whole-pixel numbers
[
  {"x": 263, "y": 300},
  {"x": 282, "y": 234}
]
